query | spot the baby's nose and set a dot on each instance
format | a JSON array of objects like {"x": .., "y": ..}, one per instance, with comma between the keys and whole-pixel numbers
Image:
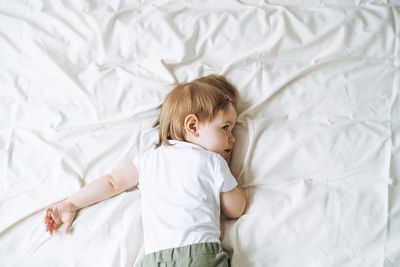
[{"x": 232, "y": 139}]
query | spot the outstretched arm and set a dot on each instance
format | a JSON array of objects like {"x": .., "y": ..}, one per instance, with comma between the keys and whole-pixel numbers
[{"x": 103, "y": 188}]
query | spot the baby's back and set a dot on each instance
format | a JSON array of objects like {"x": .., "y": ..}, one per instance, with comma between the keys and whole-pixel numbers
[{"x": 180, "y": 196}]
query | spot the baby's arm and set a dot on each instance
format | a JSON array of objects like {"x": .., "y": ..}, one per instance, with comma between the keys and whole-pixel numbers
[
  {"x": 233, "y": 203},
  {"x": 103, "y": 188}
]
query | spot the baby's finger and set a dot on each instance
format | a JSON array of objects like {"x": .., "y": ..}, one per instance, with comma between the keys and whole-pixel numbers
[
  {"x": 46, "y": 215},
  {"x": 49, "y": 220},
  {"x": 66, "y": 229},
  {"x": 55, "y": 215},
  {"x": 46, "y": 224},
  {"x": 49, "y": 224},
  {"x": 53, "y": 227}
]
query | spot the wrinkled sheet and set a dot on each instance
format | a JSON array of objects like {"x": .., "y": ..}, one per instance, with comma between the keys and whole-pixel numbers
[{"x": 318, "y": 133}]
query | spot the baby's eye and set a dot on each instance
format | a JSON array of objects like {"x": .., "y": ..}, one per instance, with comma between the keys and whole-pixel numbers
[{"x": 225, "y": 128}]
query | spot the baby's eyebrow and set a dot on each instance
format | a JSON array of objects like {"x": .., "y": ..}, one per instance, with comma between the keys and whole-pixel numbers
[{"x": 230, "y": 122}]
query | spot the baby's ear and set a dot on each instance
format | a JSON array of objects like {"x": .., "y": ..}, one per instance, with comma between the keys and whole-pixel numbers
[{"x": 191, "y": 125}]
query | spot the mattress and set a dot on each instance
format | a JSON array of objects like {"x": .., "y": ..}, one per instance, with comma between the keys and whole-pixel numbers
[{"x": 317, "y": 141}]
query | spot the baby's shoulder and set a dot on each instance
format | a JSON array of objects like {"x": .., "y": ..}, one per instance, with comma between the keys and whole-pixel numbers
[
  {"x": 205, "y": 157},
  {"x": 185, "y": 153}
]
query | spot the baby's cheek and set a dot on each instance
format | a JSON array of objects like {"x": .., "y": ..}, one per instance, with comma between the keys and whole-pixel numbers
[{"x": 213, "y": 143}]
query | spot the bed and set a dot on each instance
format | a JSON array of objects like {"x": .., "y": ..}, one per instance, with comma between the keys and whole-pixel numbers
[{"x": 318, "y": 133}]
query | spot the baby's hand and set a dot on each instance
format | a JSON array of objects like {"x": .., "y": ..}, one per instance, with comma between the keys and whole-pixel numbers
[{"x": 58, "y": 214}]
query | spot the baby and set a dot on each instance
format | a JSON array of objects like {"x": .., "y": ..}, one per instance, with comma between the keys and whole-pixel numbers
[{"x": 185, "y": 181}]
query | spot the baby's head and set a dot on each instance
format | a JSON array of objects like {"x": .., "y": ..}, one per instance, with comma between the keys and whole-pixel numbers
[{"x": 202, "y": 112}]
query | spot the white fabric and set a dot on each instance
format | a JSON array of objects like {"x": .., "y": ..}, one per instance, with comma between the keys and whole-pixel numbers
[
  {"x": 317, "y": 141},
  {"x": 180, "y": 187}
]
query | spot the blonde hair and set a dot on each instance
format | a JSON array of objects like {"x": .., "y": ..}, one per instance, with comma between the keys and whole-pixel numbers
[{"x": 203, "y": 97}]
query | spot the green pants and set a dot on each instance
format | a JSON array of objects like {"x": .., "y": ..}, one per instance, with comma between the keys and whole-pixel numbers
[{"x": 196, "y": 255}]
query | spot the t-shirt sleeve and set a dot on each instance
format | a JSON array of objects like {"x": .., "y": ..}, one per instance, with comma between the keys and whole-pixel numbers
[{"x": 225, "y": 176}]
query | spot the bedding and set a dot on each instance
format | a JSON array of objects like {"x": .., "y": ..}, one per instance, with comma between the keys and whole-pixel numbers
[{"x": 317, "y": 141}]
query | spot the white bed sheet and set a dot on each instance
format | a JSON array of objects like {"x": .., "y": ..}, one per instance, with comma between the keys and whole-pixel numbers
[{"x": 318, "y": 134}]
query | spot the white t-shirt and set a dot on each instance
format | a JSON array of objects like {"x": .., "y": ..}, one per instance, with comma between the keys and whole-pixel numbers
[{"x": 180, "y": 187}]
